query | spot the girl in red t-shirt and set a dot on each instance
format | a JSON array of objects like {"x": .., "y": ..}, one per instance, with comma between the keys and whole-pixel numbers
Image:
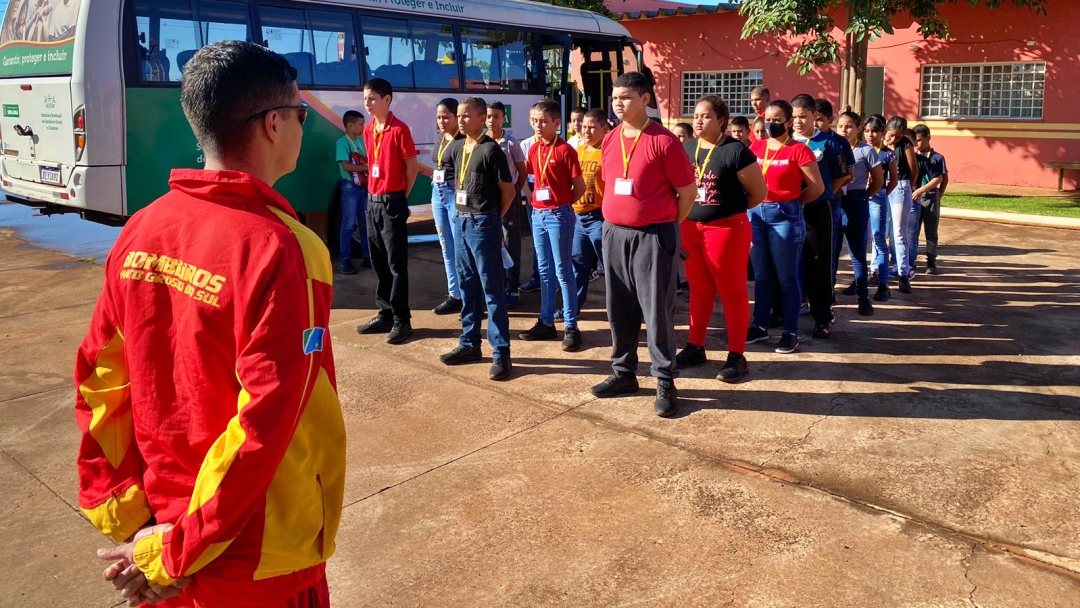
[{"x": 777, "y": 224}]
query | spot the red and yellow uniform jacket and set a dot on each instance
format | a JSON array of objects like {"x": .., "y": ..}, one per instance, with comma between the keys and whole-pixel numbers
[{"x": 206, "y": 394}]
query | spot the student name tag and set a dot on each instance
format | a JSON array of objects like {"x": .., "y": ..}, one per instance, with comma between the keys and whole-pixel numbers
[
  {"x": 438, "y": 176},
  {"x": 461, "y": 198},
  {"x": 375, "y": 171},
  {"x": 624, "y": 186},
  {"x": 543, "y": 194},
  {"x": 700, "y": 198}
]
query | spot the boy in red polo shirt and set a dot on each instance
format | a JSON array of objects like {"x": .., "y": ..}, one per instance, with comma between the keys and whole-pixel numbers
[
  {"x": 649, "y": 187},
  {"x": 558, "y": 183},
  {"x": 392, "y": 157}
]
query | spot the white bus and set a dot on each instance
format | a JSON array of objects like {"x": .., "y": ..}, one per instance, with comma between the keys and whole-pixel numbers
[{"x": 91, "y": 120}]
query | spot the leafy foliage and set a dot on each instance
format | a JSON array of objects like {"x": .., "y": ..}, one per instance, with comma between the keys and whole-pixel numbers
[{"x": 868, "y": 20}]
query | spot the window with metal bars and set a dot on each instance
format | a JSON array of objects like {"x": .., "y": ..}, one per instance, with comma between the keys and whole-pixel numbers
[
  {"x": 733, "y": 85},
  {"x": 988, "y": 90}
]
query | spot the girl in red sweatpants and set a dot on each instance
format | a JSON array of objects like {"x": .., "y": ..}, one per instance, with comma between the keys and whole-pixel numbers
[{"x": 716, "y": 236}]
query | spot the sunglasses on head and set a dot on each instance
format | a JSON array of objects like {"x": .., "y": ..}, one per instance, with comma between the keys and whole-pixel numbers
[{"x": 301, "y": 112}]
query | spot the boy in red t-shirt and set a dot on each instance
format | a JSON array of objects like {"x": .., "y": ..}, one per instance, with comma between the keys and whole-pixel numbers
[
  {"x": 558, "y": 183},
  {"x": 649, "y": 187},
  {"x": 393, "y": 169}
]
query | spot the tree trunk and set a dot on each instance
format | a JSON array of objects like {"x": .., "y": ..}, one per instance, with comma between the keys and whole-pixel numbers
[
  {"x": 853, "y": 86},
  {"x": 845, "y": 73}
]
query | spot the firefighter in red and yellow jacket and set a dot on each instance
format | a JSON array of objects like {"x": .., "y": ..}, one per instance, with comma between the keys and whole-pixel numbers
[{"x": 206, "y": 391}]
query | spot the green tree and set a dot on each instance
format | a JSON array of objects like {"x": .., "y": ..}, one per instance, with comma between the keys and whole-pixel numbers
[{"x": 867, "y": 21}]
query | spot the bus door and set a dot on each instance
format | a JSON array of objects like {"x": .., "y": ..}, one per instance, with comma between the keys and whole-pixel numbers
[
  {"x": 599, "y": 65},
  {"x": 555, "y": 54}
]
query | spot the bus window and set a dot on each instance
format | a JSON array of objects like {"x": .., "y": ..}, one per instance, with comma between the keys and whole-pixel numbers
[
  {"x": 224, "y": 21},
  {"x": 498, "y": 60},
  {"x": 433, "y": 48},
  {"x": 284, "y": 31},
  {"x": 389, "y": 50},
  {"x": 168, "y": 37},
  {"x": 336, "y": 62}
]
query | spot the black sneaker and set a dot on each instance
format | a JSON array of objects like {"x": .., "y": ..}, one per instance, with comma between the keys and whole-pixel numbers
[
  {"x": 378, "y": 325},
  {"x": 615, "y": 385},
  {"x": 461, "y": 354},
  {"x": 905, "y": 285},
  {"x": 756, "y": 334},
  {"x": 449, "y": 306},
  {"x": 532, "y": 285},
  {"x": 500, "y": 368},
  {"x": 401, "y": 332},
  {"x": 690, "y": 356},
  {"x": 787, "y": 344},
  {"x": 513, "y": 300},
  {"x": 346, "y": 267},
  {"x": 734, "y": 370},
  {"x": 931, "y": 268},
  {"x": 667, "y": 398},
  {"x": 882, "y": 294},
  {"x": 822, "y": 331},
  {"x": 865, "y": 307},
  {"x": 540, "y": 332},
  {"x": 571, "y": 340},
  {"x": 851, "y": 290}
]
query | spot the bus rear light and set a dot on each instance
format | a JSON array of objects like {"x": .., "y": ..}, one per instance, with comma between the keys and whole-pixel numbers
[
  {"x": 26, "y": 87},
  {"x": 6, "y": 183},
  {"x": 64, "y": 196},
  {"x": 80, "y": 132}
]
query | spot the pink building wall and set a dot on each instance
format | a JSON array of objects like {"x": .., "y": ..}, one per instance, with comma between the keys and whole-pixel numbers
[{"x": 991, "y": 151}]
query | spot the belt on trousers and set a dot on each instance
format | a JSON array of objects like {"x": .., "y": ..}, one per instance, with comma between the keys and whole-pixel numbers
[
  {"x": 596, "y": 213},
  {"x": 390, "y": 197}
]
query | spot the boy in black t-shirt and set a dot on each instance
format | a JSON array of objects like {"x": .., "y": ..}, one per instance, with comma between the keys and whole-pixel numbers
[
  {"x": 926, "y": 199},
  {"x": 484, "y": 193}
]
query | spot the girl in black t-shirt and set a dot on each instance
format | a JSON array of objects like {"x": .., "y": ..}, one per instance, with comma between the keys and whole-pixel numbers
[
  {"x": 900, "y": 198},
  {"x": 716, "y": 236}
]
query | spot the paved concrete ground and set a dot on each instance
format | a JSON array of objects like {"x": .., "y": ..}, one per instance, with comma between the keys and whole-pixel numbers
[{"x": 926, "y": 456}]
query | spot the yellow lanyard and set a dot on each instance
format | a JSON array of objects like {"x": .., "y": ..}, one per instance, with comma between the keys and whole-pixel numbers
[
  {"x": 702, "y": 166},
  {"x": 766, "y": 163},
  {"x": 466, "y": 157},
  {"x": 379, "y": 134},
  {"x": 622, "y": 140},
  {"x": 443, "y": 145},
  {"x": 543, "y": 168}
]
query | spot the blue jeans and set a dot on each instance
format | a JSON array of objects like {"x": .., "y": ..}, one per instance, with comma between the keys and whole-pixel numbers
[
  {"x": 442, "y": 207},
  {"x": 900, "y": 216},
  {"x": 588, "y": 250},
  {"x": 353, "y": 206},
  {"x": 879, "y": 222},
  {"x": 528, "y": 222},
  {"x": 553, "y": 238},
  {"x": 855, "y": 207},
  {"x": 478, "y": 247},
  {"x": 779, "y": 233}
]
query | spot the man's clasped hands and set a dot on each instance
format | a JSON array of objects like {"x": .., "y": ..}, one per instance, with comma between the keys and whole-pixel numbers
[{"x": 129, "y": 580}]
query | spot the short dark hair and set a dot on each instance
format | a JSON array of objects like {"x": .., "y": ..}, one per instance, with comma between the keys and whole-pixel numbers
[
  {"x": 897, "y": 123},
  {"x": 719, "y": 106},
  {"x": 498, "y": 107},
  {"x": 759, "y": 119},
  {"x": 761, "y": 91},
  {"x": 637, "y": 81},
  {"x": 804, "y": 102},
  {"x": 547, "y": 106},
  {"x": 784, "y": 107},
  {"x": 474, "y": 102},
  {"x": 921, "y": 130},
  {"x": 684, "y": 126},
  {"x": 876, "y": 122},
  {"x": 740, "y": 121},
  {"x": 855, "y": 118},
  {"x": 597, "y": 114},
  {"x": 225, "y": 84},
  {"x": 380, "y": 86},
  {"x": 578, "y": 111},
  {"x": 449, "y": 103},
  {"x": 350, "y": 117},
  {"x": 824, "y": 108}
]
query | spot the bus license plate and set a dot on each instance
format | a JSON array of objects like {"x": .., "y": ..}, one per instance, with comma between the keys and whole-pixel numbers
[{"x": 50, "y": 175}]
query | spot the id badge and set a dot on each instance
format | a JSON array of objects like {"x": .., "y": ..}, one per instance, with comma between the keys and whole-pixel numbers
[
  {"x": 543, "y": 194},
  {"x": 356, "y": 179},
  {"x": 375, "y": 171},
  {"x": 461, "y": 198},
  {"x": 624, "y": 186},
  {"x": 700, "y": 196},
  {"x": 438, "y": 176}
]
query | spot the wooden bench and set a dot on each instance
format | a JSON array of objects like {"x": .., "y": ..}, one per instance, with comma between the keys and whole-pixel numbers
[{"x": 1062, "y": 168}]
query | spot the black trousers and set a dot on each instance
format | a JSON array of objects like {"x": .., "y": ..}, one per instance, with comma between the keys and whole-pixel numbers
[
  {"x": 388, "y": 243},
  {"x": 639, "y": 274},
  {"x": 817, "y": 259}
]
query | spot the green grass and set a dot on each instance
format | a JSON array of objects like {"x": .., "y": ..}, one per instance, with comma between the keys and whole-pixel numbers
[{"x": 1060, "y": 207}]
